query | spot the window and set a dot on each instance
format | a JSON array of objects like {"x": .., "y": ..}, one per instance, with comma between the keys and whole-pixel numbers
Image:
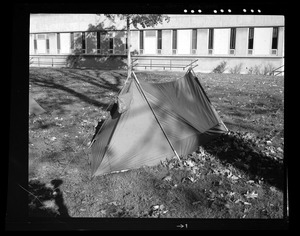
[
  {"x": 58, "y": 43},
  {"x": 210, "y": 39},
  {"x": 159, "y": 39},
  {"x": 111, "y": 45},
  {"x": 275, "y": 38},
  {"x": 194, "y": 39},
  {"x": 232, "y": 38},
  {"x": 35, "y": 44},
  {"x": 141, "y": 39},
  {"x": 83, "y": 42},
  {"x": 250, "y": 38},
  {"x": 72, "y": 41},
  {"x": 174, "y": 40},
  {"x": 98, "y": 42},
  {"x": 47, "y": 44}
]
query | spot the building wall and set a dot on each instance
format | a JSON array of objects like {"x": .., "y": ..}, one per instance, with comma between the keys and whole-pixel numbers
[
  {"x": 31, "y": 44},
  {"x": 202, "y": 41},
  {"x": 281, "y": 42},
  {"x": 52, "y": 43},
  {"x": 241, "y": 41},
  {"x": 166, "y": 39},
  {"x": 61, "y": 27},
  {"x": 150, "y": 42},
  {"x": 183, "y": 42},
  {"x": 221, "y": 41},
  {"x": 220, "y": 21},
  {"x": 119, "y": 42},
  {"x": 206, "y": 64},
  {"x": 84, "y": 22},
  {"x": 91, "y": 43},
  {"x": 134, "y": 41}
]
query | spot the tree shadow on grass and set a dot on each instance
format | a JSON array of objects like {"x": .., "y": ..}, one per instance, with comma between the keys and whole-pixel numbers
[
  {"x": 41, "y": 194},
  {"x": 243, "y": 153},
  {"x": 98, "y": 80},
  {"x": 65, "y": 78}
]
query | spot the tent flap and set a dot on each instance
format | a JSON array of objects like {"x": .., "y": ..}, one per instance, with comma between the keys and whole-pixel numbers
[{"x": 124, "y": 101}]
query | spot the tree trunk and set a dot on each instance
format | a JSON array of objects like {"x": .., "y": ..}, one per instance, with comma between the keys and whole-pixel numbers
[{"x": 128, "y": 50}]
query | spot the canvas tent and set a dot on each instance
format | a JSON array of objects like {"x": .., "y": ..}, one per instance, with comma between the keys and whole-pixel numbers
[
  {"x": 34, "y": 107},
  {"x": 154, "y": 121}
]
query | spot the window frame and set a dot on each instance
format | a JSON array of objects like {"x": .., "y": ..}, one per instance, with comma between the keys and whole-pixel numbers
[
  {"x": 83, "y": 42},
  {"x": 174, "y": 39},
  {"x": 232, "y": 40},
  {"x": 275, "y": 39},
  {"x": 159, "y": 39},
  {"x": 211, "y": 38},
  {"x": 251, "y": 38},
  {"x": 141, "y": 38},
  {"x": 58, "y": 43},
  {"x": 194, "y": 39}
]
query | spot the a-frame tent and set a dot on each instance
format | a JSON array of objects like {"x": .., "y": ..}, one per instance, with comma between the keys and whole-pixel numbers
[
  {"x": 34, "y": 107},
  {"x": 154, "y": 121}
]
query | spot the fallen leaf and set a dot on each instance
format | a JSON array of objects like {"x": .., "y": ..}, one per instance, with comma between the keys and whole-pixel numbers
[
  {"x": 279, "y": 149},
  {"x": 49, "y": 204},
  {"x": 190, "y": 163},
  {"x": 194, "y": 203},
  {"x": 234, "y": 177},
  {"x": 247, "y": 203},
  {"x": 113, "y": 203},
  {"x": 273, "y": 189},
  {"x": 251, "y": 195},
  {"x": 167, "y": 178},
  {"x": 239, "y": 200},
  {"x": 185, "y": 179}
]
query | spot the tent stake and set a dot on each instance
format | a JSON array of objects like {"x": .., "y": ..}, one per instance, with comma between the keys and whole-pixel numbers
[{"x": 144, "y": 95}]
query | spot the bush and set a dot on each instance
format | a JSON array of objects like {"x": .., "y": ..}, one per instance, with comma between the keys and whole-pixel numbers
[
  {"x": 250, "y": 71},
  {"x": 220, "y": 68},
  {"x": 268, "y": 69},
  {"x": 134, "y": 53},
  {"x": 73, "y": 61},
  {"x": 256, "y": 70},
  {"x": 236, "y": 69}
]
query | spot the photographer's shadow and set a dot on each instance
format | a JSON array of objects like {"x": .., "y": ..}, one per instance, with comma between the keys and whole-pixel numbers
[{"x": 42, "y": 194}]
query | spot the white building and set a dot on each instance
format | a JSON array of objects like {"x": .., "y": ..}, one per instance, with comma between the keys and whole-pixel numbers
[{"x": 90, "y": 40}]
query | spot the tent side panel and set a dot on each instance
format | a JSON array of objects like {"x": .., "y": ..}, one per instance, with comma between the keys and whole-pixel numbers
[
  {"x": 137, "y": 139},
  {"x": 185, "y": 100},
  {"x": 101, "y": 143},
  {"x": 185, "y": 112},
  {"x": 34, "y": 107}
]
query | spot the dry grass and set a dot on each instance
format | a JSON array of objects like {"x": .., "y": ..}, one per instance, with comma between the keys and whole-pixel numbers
[{"x": 215, "y": 182}]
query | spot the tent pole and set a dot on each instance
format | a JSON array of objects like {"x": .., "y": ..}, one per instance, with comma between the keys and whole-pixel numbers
[
  {"x": 144, "y": 95},
  {"x": 190, "y": 69}
]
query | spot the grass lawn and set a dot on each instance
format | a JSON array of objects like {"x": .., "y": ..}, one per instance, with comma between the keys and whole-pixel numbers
[{"x": 238, "y": 175}]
